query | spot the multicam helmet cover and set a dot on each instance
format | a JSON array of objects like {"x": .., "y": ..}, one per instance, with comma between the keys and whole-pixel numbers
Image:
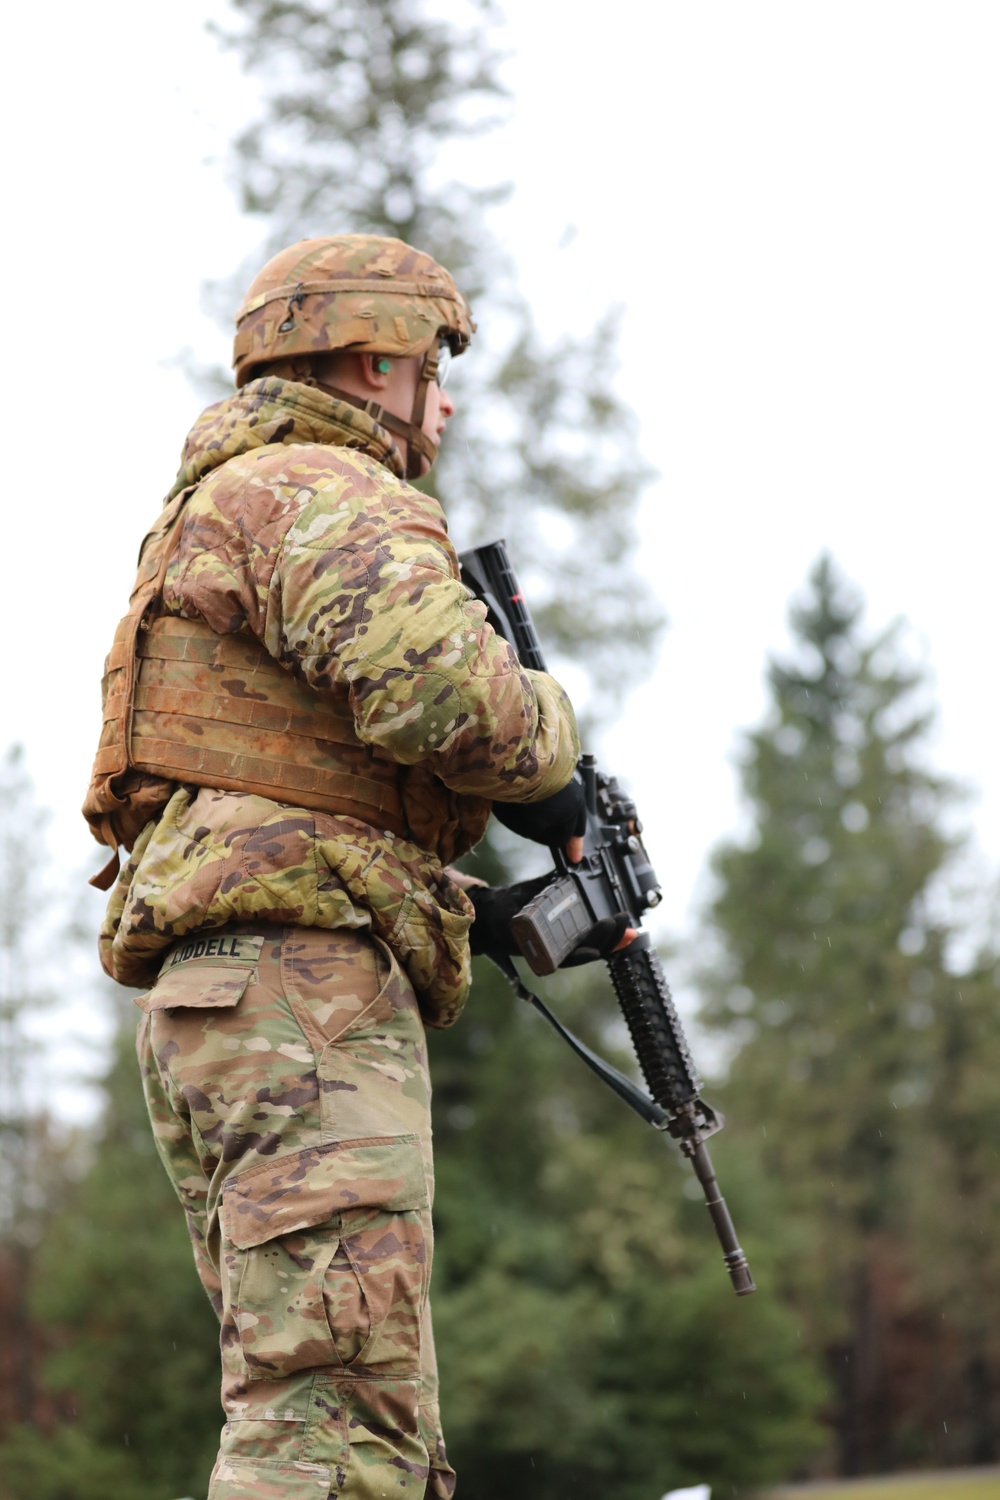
[{"x": 359, "y": 291}]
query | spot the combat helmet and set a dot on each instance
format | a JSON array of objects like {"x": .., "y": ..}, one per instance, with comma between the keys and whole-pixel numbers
[{"x": 363, "y": 292}]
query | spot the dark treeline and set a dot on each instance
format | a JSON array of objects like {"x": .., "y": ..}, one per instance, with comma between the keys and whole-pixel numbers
[
  {"x": 863, "y": 1085},
  {"x": 588, "y": 1339}
]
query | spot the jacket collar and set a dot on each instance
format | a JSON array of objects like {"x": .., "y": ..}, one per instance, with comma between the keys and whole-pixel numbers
[{"x": 279, "y": 411}]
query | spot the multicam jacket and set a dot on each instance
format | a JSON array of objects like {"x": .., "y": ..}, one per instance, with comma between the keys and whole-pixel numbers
[{"x": 301, "y": 534}]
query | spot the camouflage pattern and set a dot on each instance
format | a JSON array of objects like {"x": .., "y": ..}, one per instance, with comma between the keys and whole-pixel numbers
[
  {"x": 286, "y": 1077},
  {"x": 290, "y": 953},
  {"x": 362, "y": 291},
  {"x": 301, "y": 534}
]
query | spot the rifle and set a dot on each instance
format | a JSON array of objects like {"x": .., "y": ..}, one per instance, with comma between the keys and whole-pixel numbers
[{"x": 614, "y": 875}]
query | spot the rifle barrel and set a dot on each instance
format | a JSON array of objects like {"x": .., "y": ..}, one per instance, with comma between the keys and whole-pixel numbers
[{"x": 734, "y": 1259}]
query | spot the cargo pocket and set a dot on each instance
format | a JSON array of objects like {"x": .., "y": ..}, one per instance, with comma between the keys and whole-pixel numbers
[
  {"x": 328, "y": 1258},
  {"x": 200, "y": 987},
  {"x": 245, "y": 1479},
  {"x": 204, "y": 973}
]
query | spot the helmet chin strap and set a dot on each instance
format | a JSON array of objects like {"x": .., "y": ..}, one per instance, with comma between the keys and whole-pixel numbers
[{"x": 418, "y": 445}]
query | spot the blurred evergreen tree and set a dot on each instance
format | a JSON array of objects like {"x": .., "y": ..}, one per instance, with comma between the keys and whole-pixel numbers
[
  {"x": 137, "y": 1342},
  {"x": 64, "y": 1464},
  {"x": 589, "y": 1340},
  {"x": 34, "y": 1155},
  {"x": 86, "y": 1355},
  {"x": 853, "y": 1046},
  {"x": 364, "y": 104},
  {"x": 20, "y": 995},
  {"x": 951, "y": 1189}
]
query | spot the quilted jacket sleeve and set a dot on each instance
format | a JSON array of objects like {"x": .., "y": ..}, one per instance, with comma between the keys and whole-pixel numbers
[{"x": 373, "y": 598}]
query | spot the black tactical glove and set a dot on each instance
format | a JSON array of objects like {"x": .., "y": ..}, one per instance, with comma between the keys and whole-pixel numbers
[
  {"x": 497, "y": 906},
  {"x": 553, "y": 821}
]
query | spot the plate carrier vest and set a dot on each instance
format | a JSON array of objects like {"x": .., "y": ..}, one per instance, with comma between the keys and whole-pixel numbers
[{"x": 185, "y": 704}]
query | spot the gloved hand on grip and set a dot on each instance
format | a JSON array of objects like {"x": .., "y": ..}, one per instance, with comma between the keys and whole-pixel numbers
[
  {"x": 558, "y": 821},
  {"x": 497, "y": 906}
]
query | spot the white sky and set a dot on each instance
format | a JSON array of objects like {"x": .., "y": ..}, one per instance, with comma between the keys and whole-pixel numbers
[{"x": 794, "y": 204}]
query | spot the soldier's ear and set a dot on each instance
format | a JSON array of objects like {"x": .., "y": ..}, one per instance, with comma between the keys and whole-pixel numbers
[{"x": 375, "y": 370}]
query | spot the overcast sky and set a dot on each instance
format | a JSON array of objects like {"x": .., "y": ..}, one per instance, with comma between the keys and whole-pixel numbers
[{"x": 795, "y": 207}]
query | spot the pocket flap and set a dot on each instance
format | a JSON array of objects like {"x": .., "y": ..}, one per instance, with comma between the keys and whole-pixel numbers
[
  {"x": 238, "y": 1479},
  {"x": 198, "y": 987},
  {"x": 308, "y": 1188}
]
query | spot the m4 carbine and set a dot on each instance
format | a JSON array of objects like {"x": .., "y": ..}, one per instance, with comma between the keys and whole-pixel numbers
[{"x": 613, "y": 876}]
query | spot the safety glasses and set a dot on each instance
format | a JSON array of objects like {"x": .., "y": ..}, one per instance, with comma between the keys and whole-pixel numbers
[{"x": 443, "y": 364}]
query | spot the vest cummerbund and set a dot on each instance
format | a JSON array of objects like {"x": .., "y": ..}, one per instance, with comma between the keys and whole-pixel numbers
[{"x": 218, "y": 711}]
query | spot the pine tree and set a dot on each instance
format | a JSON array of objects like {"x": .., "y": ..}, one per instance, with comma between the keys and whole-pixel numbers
[
  {"x": 135, "y": 1342},
  {"x": 590, "y": 1343},
  {"x": 833, "y": 991},
  {"x": 25, "y": 1153},
  {"x": 952, "y": 1193},
  {"x": 89, "y": 1361},
  {"x": 363, "y": 105},
  {"x": 42, "y": 1454}
]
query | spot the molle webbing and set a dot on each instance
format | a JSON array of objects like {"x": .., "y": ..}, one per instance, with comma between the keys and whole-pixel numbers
[
  {"x": 120, "y": 800},
  {"x": 218, "y": 710}
]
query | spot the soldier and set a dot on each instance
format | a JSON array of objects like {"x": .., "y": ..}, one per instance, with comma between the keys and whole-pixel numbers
[{"x": 306, "y": 719}]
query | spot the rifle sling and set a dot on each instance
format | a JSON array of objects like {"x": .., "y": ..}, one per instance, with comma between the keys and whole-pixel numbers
[{"x": 633, "y": 1096}]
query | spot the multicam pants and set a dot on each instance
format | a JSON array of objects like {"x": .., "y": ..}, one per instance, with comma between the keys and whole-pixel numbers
[{"x": 286, "y": 1077}]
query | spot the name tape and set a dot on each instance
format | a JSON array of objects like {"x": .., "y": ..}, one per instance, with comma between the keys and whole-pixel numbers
[{"x": 240, "y": 949}]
